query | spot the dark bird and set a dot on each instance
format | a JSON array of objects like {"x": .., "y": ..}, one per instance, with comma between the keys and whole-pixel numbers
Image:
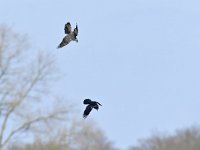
[
  {"x": 87, "y": 110},
  {"x": 90, "y": 104},
  {"x": 71, "y": 35}
]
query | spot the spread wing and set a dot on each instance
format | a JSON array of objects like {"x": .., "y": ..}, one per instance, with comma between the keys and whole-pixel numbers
[
  {"x": 87, "y": 111},
  {"x": 93, "y": 103},
  {"x": 67, "y": 28},
  {"x": 76, "y": 31},
  {"x": 96, "y": 105},
  {"x": 65, "y": 41}
]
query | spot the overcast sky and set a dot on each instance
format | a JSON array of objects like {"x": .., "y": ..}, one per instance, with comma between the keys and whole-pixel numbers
[{"x": 139, "y": 58}]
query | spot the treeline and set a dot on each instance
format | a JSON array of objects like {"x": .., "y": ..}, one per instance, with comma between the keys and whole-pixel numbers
[
  {"x": 186, "y": 139},
  {"x": 79, "y": 136},
  {"x": 88, "y": 137}
]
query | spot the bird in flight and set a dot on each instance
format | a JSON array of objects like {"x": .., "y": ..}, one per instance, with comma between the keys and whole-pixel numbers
[
  {"x": 90, "y": 105},
  {"x": 71, "y": 35}
]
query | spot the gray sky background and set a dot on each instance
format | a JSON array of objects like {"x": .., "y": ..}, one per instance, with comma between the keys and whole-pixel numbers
[{"x": 139, "y": 58}]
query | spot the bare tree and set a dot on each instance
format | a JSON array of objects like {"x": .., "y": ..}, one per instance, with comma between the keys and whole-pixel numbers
[
  {"x": 89, "y": 137},
  {"x": 187, "y": 139},
  {"x": 79, "y": 136},
  {"x": 25, "y": 78}
]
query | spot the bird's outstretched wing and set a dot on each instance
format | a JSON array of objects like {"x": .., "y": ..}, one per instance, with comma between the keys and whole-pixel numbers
[
  {"x": 76, "y": 31},
  {"x": 67, "y": 28},
  {"x": 87, "y": 101},
  {"x": 87, "y": 111},
  {"x": 65, "y": 41},
  {"x": 95, "y": 105}
]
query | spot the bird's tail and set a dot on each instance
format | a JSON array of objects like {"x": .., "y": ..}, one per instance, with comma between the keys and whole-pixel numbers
[{"x": 61, "y": 45}]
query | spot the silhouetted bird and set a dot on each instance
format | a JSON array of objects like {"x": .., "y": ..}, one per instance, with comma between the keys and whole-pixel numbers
[
  {"x": 71, "y": 36},
  {"x": 90, "y": 104},
  {"x": 87, "y": 111}
]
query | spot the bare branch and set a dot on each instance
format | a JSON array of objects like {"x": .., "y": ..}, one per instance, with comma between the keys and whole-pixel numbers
[
  {"x": 23, "y": 82},
  {"x": 26, "y": 125}
]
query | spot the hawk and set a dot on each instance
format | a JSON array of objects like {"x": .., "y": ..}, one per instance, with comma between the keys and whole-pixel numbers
[
  {"x": 71, "y": 35},
  {"x": 90, "y": 105}
]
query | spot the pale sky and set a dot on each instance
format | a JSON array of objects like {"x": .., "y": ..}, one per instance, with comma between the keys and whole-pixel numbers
[{"x": 139, "y": 58}]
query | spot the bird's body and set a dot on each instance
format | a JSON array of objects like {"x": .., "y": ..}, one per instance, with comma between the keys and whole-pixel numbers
[
  {"x": 90, "y": 105},
  {"x": 71, "y": 35}
]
